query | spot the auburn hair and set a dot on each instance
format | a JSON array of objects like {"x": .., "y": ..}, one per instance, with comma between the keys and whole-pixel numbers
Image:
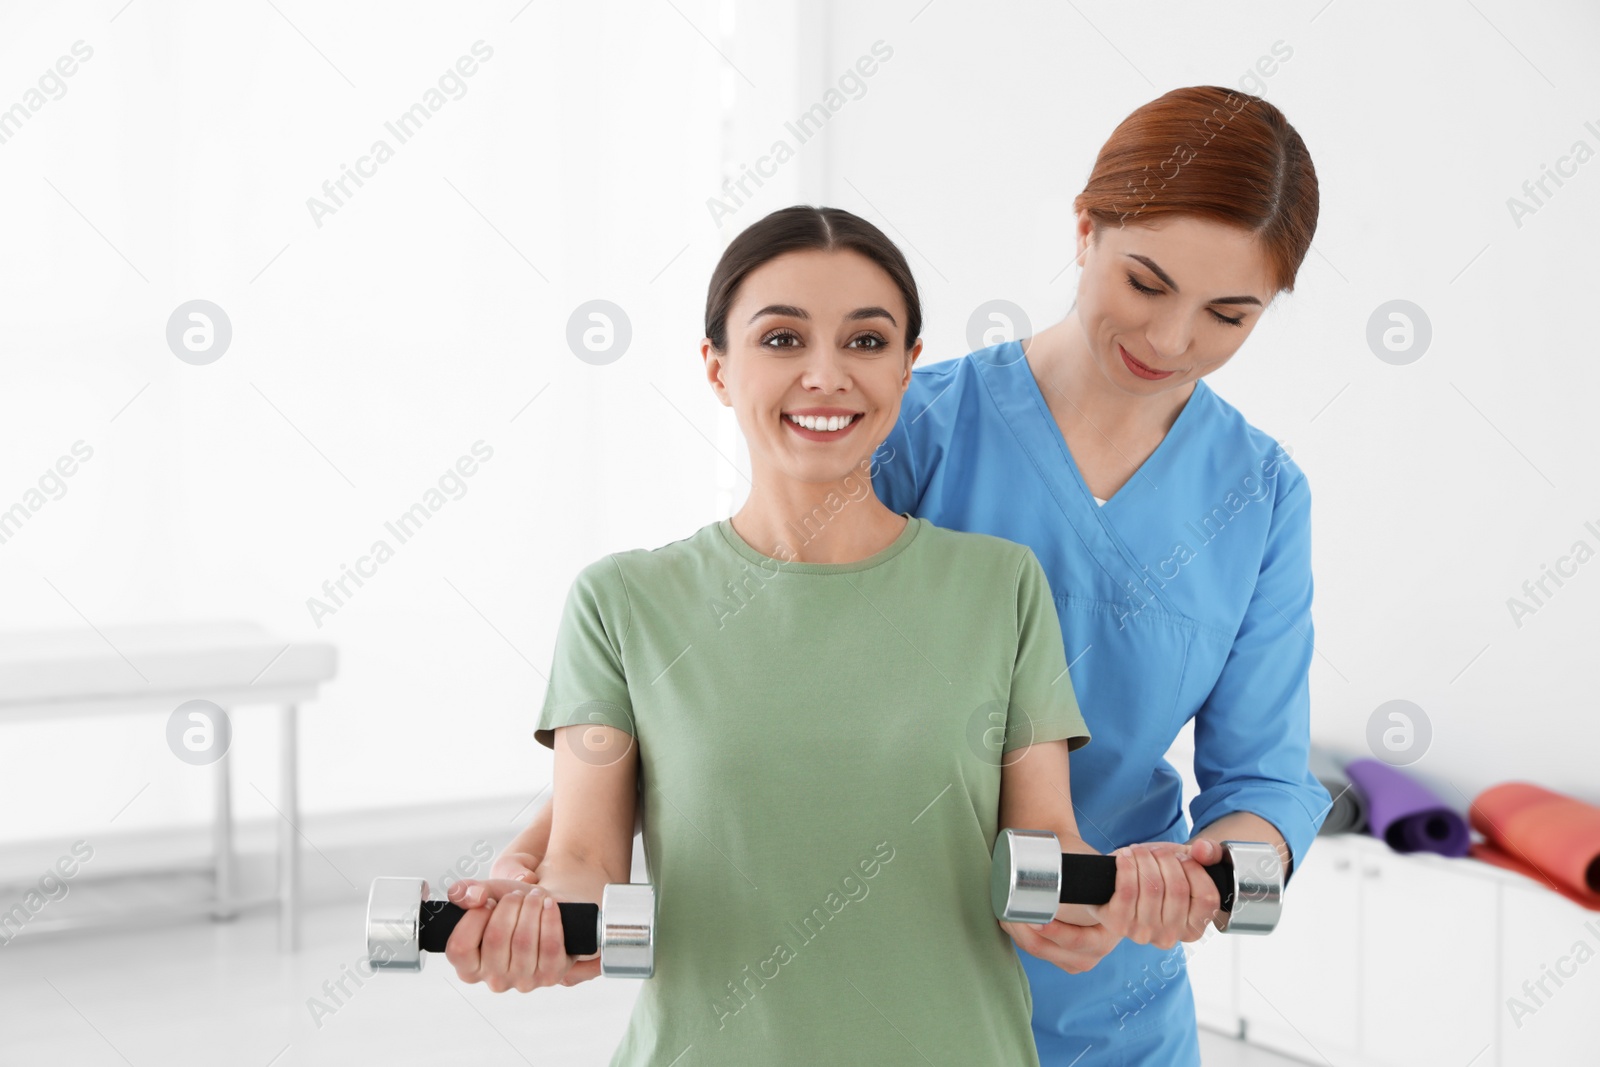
[{"x": 1214, "y": 153}]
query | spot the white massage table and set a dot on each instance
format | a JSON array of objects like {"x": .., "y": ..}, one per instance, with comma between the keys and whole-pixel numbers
[{"x": 153, "y": 668}]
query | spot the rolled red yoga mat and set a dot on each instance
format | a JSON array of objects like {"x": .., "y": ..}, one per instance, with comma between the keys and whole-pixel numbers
[
  {"x": 1552, "y": 838},
  {"x": 1407, "y": 814}
]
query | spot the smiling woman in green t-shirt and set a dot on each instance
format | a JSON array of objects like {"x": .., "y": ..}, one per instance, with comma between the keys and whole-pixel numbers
[{"x": 820, "y": 710}]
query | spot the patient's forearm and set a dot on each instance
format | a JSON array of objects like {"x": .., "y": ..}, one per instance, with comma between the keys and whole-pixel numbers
[
  {"x": 534, "y": 840},
  {"x": 577, "y": 877}
]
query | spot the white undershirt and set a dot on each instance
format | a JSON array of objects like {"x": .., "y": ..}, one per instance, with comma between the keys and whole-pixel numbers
[{"x": 1097, "y": 500}]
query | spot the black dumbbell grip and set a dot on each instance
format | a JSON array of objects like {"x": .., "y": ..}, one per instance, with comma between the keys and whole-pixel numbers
[
  {"x": 1087, "y": 879},
  {"x": 579, "y": 925}
]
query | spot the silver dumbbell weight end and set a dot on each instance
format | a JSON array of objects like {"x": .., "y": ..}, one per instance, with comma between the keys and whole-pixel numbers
[
  {"x": 402, "y": 924},
  {"x": 1029, "y": 877},
  {"x": 1257, "y": 889}
]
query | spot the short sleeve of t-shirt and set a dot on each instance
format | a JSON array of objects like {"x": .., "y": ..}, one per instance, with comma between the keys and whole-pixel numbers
[
  {"x": 1043, "y": 706},
  {"x": 587, "y": 684}
]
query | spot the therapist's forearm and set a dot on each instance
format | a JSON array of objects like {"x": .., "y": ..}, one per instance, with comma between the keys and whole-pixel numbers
[{"x": 1243, "y": 826}]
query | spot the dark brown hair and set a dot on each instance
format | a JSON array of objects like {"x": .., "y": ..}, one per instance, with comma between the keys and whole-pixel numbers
[
  {"x": 798, "y": 228},
  {"x": 1215, "y": 153}
]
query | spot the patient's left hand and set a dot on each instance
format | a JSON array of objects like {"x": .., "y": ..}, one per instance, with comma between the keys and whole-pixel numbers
[{"x": 1163, "y": 896}]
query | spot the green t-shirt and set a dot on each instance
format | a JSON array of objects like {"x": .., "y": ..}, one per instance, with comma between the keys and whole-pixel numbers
[{"x": 820, "y": 750}]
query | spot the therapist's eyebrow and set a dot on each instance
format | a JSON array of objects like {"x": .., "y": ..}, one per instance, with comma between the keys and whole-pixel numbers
[
  {"x": 801, "y": 313},
  {"x": 1159, "y": 273}
]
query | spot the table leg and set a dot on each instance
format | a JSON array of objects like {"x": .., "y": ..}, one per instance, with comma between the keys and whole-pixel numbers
[
  {"x": 222, "y": 870},
  {"x": 288, "y": 834}
]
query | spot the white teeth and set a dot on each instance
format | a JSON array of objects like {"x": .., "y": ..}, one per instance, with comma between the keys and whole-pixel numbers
[{"x": 821, "y": 423}]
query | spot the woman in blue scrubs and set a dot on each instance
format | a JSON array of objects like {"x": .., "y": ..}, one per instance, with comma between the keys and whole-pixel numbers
[{"x": 1176, "y": 536}]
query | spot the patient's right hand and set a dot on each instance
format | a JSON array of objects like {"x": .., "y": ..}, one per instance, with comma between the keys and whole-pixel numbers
[{"x": 508, "y": 940}]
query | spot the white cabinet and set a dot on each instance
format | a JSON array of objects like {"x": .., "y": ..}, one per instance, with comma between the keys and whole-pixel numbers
[
  {"x": 1300, "y": 986},
  {"x": 1548, "y": 1008},
  {"x": 1428, "y": 931},
  {"x": 1385, "y": 960}
]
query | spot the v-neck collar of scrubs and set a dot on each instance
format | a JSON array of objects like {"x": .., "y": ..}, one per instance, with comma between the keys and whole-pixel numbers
[
  {"x": 902, "y": 541},
  {"x": 1016, "y": 393},
  {"x": 1143, "y": 475}
]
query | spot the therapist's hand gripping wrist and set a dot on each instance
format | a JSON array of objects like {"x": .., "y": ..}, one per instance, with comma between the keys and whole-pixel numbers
[
  {"x": 1163, "y": 896},
  {"x": 1166, "y": 896}
]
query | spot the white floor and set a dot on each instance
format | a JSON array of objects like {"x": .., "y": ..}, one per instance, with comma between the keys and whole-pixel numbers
[{"x": 221, "y": 994}]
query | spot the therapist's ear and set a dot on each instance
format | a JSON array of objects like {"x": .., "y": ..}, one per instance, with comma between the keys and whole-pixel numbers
[{"x": 1084, "y": 232}]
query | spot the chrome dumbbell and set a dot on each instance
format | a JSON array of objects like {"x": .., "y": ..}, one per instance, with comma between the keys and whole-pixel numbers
[
  {"x": 1029, "y": 877},
  {"x": 402, "y": 924}
]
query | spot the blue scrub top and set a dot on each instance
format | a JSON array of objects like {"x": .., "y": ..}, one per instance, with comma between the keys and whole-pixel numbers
[{"x": 1187, "y": 595}]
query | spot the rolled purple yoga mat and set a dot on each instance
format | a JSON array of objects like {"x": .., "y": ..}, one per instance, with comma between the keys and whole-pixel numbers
[{"x": 1407, "y": 814}]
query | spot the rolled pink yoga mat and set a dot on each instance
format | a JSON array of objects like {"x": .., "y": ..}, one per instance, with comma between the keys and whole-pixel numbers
[
  {"x": 1407, "y": 814},
  {"x": 1550, "y": 837}
]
